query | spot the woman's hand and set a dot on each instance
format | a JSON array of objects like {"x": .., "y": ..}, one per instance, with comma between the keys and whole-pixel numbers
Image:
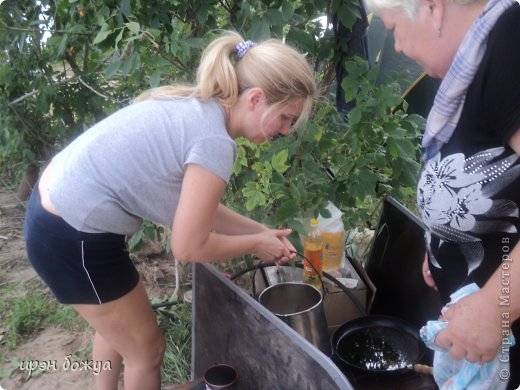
[
  {"x": 427, "y": 275},
  {"x": 274, "y": 246},
  {"x": 474, "y": 329},
  {"x": 292, "y": 251}
]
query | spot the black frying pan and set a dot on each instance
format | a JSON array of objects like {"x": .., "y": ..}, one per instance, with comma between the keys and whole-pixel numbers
[{"x": 377, "y": 345}]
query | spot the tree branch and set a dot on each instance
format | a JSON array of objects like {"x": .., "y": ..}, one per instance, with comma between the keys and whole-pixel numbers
[
  {"x": 225, "y": 6},
  {"x": 85, "y": 56},
  {"x": 73, "y": 79},
  {"x": 23, "y": 97},
  {"x": 44, "y": 30},
  {"x": 70, "y": 60},
  {"x": 27, "y": 126},
  {"x": 100, "y": 94}
]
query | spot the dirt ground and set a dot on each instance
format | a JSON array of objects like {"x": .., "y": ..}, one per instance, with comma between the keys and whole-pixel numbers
[{"x": 54, "y": 350}]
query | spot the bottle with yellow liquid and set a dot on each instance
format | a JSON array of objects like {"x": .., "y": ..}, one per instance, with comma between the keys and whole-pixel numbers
[{"x": 313, "y": 252}]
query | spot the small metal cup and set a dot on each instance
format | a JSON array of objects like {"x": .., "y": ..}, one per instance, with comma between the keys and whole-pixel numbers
[{"x": 221, "y": 376}]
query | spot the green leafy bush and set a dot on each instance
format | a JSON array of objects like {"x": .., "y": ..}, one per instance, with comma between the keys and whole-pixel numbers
[
  {"x": 352, "y": 162},
  {"x": 66, "y": 64}
]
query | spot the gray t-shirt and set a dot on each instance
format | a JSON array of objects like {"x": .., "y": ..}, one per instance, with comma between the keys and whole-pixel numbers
[{"x": 130, "y": 166}]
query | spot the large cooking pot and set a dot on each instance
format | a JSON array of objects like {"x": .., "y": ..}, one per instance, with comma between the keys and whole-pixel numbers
[
  {"x": 377, "y": 345},
  {"x": 300, "y": 306}
]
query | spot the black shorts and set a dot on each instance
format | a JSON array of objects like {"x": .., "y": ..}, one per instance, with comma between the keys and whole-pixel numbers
[{"x": 78, "y": 267}]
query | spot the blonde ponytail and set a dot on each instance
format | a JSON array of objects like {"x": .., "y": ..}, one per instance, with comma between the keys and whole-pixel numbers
[
  {"x": 278, "y": 69},
  {"x": 216, "y": 75}
]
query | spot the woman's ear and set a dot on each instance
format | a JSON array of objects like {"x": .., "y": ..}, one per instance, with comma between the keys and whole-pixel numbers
[
  {"x": 254, "y": 96},
  {"x": 436, "y": 9}
]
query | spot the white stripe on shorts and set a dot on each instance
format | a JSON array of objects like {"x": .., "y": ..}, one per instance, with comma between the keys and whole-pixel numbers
[{"x": 85, "y": 268}]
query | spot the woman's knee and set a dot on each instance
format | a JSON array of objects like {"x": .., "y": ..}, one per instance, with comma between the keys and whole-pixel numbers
[
  {"x": 160, "y": 348},
  {"x": 152, "y": 352}
]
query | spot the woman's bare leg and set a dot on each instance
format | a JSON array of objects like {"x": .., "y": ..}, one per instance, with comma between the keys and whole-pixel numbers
[
  {"x": 129, "y": 326},
  {"x": 102, "y": 353}
]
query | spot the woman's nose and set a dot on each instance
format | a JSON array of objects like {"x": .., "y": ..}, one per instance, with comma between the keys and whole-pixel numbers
[{"x": 286, "y": 127}]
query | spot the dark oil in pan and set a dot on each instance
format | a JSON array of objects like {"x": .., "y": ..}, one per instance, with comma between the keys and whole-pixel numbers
[{"x": 378, "y": 348}]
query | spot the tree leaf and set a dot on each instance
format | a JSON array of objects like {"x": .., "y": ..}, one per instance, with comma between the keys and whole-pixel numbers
[
  {"x": 259, "y": 29},
  {"x": 101, "y": 36},
  {"x": 279, "y": 160},
  {"x": 112, "y": 67},
  {"x": 287, "y": 209},
  {"x": 155, "y": 79},
  {"x": 134, "y": 27},
  {"x": 118, "y": 39},
  {"x": 254, "y": 200},
  {"x": 276, "y": 17},
  {"x": 126, "y": 9},
  {"x": 63, "y": 45},
  {"x": 354, "y": 116}
]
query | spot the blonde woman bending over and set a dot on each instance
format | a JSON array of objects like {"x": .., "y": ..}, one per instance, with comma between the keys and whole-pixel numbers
[{"x": 166, "y": 158}]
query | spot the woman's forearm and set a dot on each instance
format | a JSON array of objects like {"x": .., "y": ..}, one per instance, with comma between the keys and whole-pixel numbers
[
  {"x": 503, "y": 287},
  {"x": 230, "y": 222}
]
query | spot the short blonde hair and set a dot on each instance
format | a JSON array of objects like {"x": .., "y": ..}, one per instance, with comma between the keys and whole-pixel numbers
[{"x": 282, "y": 73}]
